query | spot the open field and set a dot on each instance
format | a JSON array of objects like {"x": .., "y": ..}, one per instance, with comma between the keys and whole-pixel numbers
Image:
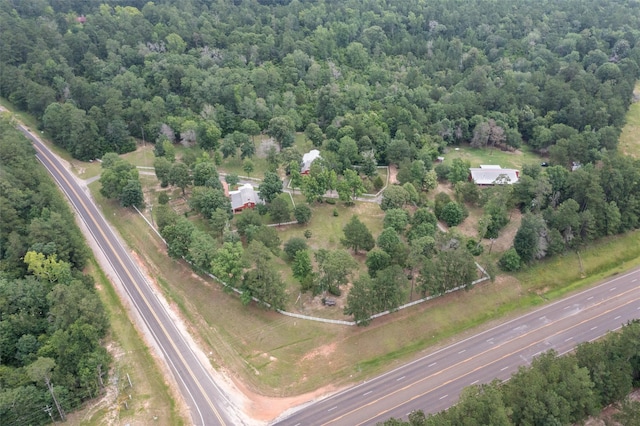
[
  {"x": 630, "y": 137},
  {"x": 506, "y": 159}
]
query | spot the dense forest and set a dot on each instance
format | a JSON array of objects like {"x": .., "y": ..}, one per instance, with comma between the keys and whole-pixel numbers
[
  {"x": 51, "y": 320},
  {"x": 553, "y": 390},
  {"x": 402, "y": 79}
]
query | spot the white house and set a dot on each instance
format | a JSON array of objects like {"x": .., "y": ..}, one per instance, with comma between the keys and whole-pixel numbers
[
  {"x": 491, "y": 174},
  {"x": 307, "y": 159}
]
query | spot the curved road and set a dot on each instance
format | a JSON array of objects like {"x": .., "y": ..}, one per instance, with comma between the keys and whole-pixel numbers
[
  {"x": 434, "y": 382},
  {"x": 207, "y": 403}
]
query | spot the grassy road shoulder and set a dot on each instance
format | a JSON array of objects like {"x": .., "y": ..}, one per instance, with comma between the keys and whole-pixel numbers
[{"x": 137, "y": 392}]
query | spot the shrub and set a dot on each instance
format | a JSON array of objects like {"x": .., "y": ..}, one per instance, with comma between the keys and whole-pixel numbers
[
  {"x": 474, "y": 248},
  {"x": 302, "y": 213},
  {"x": 163, "y": 198},
  {"x": 294, "y": 245},
  {"x": 378, "y": 183},
  {"x": 510, "y": 261},
  {"x": 453, "y": 214}
]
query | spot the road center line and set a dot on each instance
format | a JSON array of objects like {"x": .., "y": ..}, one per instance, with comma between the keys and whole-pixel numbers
[{"x": 477, "y": 368}]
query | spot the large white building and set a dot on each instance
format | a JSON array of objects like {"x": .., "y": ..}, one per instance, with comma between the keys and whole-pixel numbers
[{"x": 491, "y": 174}]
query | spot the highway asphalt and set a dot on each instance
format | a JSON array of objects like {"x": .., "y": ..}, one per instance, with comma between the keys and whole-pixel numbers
[
  {"x": 434, "y": 382},
  {"x": 207, "y": 403}
]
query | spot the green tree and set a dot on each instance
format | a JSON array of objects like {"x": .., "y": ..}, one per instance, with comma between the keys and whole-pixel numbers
[
  {"x": 334, "y": 269},
  {"x": 388, "y": 288},
  {"x": 232, "y": 179},
  {"x": 453, "y": 214},
  {"x": 397, "y": 219},
  {"x": 206, "y": 201},
  {"x": 314, "y": 134},
  {"x": 219, "y": 221},
  {"x": 357, "y": 236},
  {"x": 302, "y": 213},
  {"x": 115, "y": 175},
  {"x": 394, "y": 197},
  {"x": 527, "y": 239},
  {"x": 47, "y": 267},
  {"x": 248, "y": 167},
  {"x": 131, "y": 194},
  {"x": 180, "y": 176},
  {"x": 162, "y": 168},
  {"x": 208, "y": 135},
  {"x": 281, "y": 128},
  {"x": 262, "y": 281},
  {"x": 360, "y": 301},
  {"x": 205, "y": 174},
  {"x": 302, "y": 269},
  {"x": 377, "y": 260},
  {"x": 294, "y": 245},
  {"x": 201, "y": 250},
  {"x": 390, "y": 242},
  {"x": 41, "y": 371},
  {"x": 178, "y": 237},
  {"x": 279, "y": 210},
  {"x": 482, "y": 405},
  {"x": 510, "y": 260},
  {"x": 228, "y": 263},
  {"x": 449, "y": 269},
  {"x": 250, "y": 127},
  {"x": 270, "y": 187},
  {"x": 458, "y": 171},
  {"x": 553, "y": 390},
  {"x": 229, "y": 147}
]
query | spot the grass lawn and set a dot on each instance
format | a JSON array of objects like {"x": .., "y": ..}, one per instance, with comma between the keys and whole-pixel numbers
[
  {"x": 630, "y": 138},
  {"x": 149, "y": 400},
  {"x": 505, "y": 159}
]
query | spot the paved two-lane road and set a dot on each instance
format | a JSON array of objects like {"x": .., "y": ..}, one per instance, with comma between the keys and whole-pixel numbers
[
  {"x": 434, "y": 382},
  {"x": 207, "y": 403}
]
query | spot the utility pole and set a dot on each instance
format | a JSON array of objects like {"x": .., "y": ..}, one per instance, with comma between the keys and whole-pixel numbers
[
  {"x": 47, "y": 410},
  {"x": 47, "y": 380}
]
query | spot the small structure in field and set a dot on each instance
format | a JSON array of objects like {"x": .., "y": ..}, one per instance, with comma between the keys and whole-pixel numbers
[
  {"x": 307, "y": 159},
  {"x": 492, "y": 174},
  {"x": 245, "y": 197}
]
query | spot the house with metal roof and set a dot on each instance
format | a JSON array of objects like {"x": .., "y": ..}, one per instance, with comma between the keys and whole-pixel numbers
[
  {"x": 493, "y": 175},
  {"x": 245, "y": 197},
  {"x": 307, "y": 159}
]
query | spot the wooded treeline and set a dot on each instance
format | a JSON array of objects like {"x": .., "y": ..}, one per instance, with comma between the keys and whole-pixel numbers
[
  {"x": 51, "y": 320},
  {"x": 402, "y": 79},
  {"x": 553, "y": 390}
]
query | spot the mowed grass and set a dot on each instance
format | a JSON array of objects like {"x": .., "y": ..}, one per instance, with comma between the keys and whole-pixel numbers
[
  {"x": 149, "y": 400},
  {"x": 630, "y": 137},
  {"x": 505, "y": 159}
]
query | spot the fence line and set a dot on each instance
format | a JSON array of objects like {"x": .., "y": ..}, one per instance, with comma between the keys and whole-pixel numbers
[{"x": 328, "y": 320}]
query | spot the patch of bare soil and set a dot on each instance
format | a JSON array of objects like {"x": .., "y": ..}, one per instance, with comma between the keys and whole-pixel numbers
[
  {"x": 266, "y": 409},
  {"x": 605, "y": 418},
  {"x": 393, "y": 173},
  {"x": 264, "y": 146}
]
